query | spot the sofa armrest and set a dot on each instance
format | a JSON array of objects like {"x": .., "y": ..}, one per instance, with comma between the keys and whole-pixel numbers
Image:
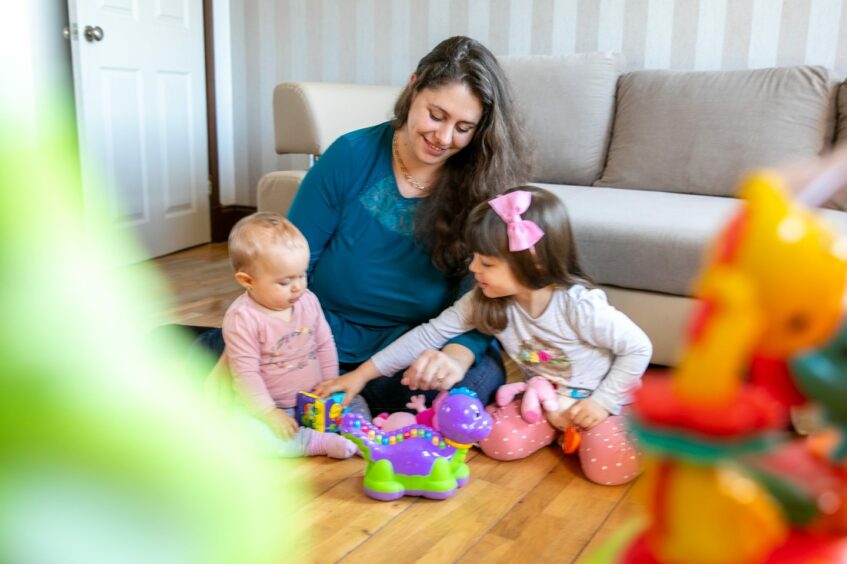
[
  {"x": 276, "y": 190},
  {"x": 309, "y": 116}
]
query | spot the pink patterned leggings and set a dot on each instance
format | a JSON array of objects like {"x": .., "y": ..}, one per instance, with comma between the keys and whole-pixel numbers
[{"x": 606, "y": 453}]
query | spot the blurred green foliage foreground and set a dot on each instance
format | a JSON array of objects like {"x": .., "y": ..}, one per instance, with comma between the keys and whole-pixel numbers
[{"x": 108, "y": 452}]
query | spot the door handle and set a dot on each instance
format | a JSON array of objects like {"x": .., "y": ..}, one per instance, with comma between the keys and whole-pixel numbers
[{"x": 93, "y": 33}]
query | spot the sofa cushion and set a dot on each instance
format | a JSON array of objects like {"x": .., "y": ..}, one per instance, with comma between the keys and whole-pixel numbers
[
  {"x": 567, "y": 103},
  {"x": 647, "y": 240},
  {"x": 697, "y": 132}
]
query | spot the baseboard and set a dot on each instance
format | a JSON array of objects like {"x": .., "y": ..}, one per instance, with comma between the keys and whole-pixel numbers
[{"x": 225, "y": 217}]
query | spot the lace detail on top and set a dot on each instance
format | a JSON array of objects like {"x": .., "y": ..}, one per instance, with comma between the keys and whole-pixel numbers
[{"x": 384, "y": 202}]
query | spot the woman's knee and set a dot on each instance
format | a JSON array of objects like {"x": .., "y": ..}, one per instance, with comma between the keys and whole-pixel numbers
[
  {"x": 211, "y": 340},
  {"x": 485, "y": 377},
  {"x": 360, "y": 406}
]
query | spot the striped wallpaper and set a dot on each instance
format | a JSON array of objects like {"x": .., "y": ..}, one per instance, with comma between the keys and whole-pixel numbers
[{"x": 380, "y": 42}]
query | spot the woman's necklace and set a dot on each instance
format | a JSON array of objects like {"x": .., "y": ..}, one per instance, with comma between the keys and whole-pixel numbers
[{"x": 420, "y": 186}]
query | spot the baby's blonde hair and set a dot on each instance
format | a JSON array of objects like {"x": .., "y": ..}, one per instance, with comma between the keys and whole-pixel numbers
[{"x": 255, "y": 234}]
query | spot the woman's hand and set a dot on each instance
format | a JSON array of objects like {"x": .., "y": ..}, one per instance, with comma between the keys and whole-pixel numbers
[
  {"x": 351, "y": 384},
  {"x": 281, "y": 423},
  {"x": 438, "y": 370},
  {"x": 587, "y": 414}
]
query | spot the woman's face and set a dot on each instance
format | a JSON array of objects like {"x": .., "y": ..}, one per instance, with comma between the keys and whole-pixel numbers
[{"x": 441, "y": 123}]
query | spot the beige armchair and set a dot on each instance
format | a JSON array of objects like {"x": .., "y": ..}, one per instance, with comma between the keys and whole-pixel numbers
[{"x": 308, "y": 117}]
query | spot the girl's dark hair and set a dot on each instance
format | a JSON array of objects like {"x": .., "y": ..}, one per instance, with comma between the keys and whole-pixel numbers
[
  {"x": 554, "y": 259},
  {"x": 496, "y": 156}
]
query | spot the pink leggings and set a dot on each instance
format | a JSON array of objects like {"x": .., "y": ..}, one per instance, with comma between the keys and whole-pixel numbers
[{"x": 606, "y": 454}]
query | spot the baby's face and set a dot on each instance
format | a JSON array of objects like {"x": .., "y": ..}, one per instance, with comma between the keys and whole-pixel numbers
[{"x": 279, "y": 277}]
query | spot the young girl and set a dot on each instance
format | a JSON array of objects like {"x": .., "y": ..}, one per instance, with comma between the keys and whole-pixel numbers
[
  {"x": 277, "y": 339},
  {"x": 532, "y": 295}
]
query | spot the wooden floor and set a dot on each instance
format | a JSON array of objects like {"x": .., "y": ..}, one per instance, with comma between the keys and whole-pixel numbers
[{"x": 540, "y": 509}]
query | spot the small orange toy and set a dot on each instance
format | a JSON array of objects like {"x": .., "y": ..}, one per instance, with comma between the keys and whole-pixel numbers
[{"x": 571, "y": 440}]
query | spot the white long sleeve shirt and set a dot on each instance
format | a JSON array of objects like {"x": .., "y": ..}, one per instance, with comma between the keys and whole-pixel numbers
[{"x": 579, "y": 341}]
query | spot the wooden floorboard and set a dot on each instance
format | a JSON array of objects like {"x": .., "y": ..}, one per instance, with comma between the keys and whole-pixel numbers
[
  {"x": 627, "y": 512},
  {"x": 540, "y": 509}
]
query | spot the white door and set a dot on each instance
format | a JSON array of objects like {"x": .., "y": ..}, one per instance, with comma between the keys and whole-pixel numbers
[{"x": 140, "y": 90}]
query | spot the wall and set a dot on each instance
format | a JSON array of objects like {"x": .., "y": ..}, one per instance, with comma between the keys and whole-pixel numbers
[
  {"x": 380, "y": 41},
  {"x": 224, "y": 54}
]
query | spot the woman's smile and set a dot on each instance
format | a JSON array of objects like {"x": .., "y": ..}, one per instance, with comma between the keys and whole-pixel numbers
[{"x": 434, "y": 149}]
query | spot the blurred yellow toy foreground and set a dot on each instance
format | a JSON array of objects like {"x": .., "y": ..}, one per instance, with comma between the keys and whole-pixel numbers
[{"x": 723, "y": 482}]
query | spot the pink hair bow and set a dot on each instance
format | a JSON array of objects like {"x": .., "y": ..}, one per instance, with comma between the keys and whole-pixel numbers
[{"x": 523, "y": 233}]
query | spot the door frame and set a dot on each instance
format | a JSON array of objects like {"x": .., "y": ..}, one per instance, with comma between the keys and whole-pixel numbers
[
  {"x": 222, "y": 218},
  {"x": 211, "y": 120}
]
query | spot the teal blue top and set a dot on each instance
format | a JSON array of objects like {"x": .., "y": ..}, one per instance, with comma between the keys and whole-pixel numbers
[{"x": 373, "y": 279}]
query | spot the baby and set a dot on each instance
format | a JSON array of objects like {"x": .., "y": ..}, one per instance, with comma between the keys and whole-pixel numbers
[{"x": 277, "y": 339}]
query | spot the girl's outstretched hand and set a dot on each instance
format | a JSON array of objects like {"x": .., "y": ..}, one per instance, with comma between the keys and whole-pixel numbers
[
  {"x": 351, "y": 384},
  {"x": 587, "y": 414}
]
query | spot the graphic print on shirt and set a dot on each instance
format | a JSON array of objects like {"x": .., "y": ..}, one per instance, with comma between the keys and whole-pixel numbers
[
  {"x": 383, "y": 201},
  {"x": 538, "y": 357},
  {"x": 294, "y": 350}
]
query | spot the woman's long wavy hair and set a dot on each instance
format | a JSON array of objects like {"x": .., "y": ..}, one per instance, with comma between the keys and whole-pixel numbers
[
  {"x": 496, "y": 156},
  {"x": 553, "y": 260}
]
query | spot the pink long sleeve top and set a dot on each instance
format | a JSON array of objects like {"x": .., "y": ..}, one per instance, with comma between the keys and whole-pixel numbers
[{"x": 272, "y": 359}]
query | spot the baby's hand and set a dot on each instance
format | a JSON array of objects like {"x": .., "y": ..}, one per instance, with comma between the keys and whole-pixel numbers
[
  {"x": 351, "y": 384},
  {"x": 281, "y": 423},
  {"x": 587, "y": 414}
]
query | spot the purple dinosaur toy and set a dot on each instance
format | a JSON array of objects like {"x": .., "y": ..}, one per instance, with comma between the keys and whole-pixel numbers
[{"x": 417, "y": 459}]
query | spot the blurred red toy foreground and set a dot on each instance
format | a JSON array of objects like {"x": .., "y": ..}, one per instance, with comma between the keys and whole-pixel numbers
[{"x": 723, "y": 481}]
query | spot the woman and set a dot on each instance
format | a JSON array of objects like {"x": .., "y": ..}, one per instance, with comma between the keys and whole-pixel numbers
[{"x": 384, "y": 209}]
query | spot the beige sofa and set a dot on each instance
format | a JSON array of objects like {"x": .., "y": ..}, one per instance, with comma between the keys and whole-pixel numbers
[{"x": 647, "y": 161}]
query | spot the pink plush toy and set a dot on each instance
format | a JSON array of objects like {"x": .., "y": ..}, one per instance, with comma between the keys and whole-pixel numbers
[
  {"x": 402, "y": 419},
  {"x": 537, "y": 392}
]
